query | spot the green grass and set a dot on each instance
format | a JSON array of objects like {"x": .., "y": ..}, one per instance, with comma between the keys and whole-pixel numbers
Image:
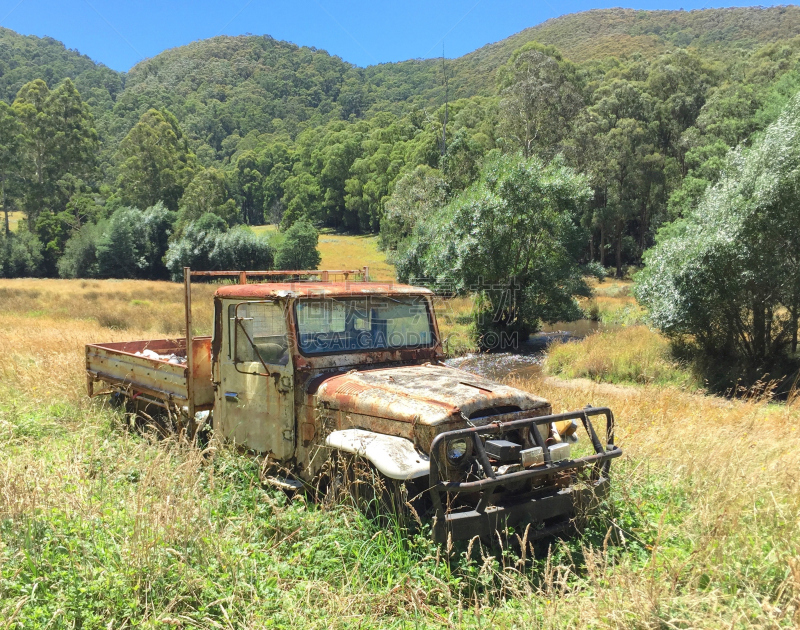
[
  {"x": 101, "y": 527},
  {"x": 104, "y": 528}
]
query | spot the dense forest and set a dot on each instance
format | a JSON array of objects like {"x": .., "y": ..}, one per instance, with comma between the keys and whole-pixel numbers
[{"x": 644, "y": 104}]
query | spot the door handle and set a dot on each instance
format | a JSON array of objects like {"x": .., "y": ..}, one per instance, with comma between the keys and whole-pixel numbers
[{"x": 232, "y": 397}]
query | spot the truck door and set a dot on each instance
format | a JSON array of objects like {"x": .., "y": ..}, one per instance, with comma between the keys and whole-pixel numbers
[{"x": 255, "y": 395}]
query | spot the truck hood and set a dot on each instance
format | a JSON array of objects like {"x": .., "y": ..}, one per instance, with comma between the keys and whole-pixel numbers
[{"x": 425, "y": 394}]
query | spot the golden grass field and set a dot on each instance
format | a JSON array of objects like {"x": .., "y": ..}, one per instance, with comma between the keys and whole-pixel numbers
[
  {"x": 13, "y": 220},
  {"x": 340, "y": 251},
  {"x": 102, "y": 528}
]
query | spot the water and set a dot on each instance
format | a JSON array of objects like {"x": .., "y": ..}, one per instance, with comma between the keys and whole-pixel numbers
[
  {"x": 527, "y": 359},
  {"x": 497, "y": 365}
]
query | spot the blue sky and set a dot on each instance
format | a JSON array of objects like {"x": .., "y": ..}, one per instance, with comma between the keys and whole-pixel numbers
[{"x": 122, "y": 33}]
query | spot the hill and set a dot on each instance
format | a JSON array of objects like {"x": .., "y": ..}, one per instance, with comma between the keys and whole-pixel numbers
[
  {"x": 225, "y": 87},
  {"x": 232, "y": 85},
  {"x": 591, "y": 36},
  {"x": 24, "y": 58}
]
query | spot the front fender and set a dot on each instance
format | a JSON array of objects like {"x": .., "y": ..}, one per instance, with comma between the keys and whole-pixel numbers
[{"x": 393, "y": 456}]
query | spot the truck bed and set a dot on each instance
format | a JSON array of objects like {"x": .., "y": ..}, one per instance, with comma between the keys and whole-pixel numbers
[{"x": 123, "y": 367}]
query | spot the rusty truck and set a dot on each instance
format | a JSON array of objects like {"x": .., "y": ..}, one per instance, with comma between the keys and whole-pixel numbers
[{"x": 304, "y": 367}]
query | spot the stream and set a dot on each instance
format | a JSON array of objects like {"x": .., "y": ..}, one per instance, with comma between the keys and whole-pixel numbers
[{"x": 527, "y": 359}]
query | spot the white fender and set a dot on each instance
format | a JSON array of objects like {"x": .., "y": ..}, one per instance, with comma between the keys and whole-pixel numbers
[{"x": 395, "y": 457}]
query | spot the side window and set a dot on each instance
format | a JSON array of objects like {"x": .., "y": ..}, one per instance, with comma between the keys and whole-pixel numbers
[{"x": 260, "y": 334}]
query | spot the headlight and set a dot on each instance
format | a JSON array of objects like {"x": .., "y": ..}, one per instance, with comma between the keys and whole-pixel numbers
[{"x": 457, "y": 450}]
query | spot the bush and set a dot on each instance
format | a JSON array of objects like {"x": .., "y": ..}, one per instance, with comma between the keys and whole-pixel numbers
[
  {"x": 299, "y": 247},
  {"x": 20, "y": 255},
  {"x": 79, "y": 259},
  {"x": 207, "y": 246},
  {"x": 240, "y": 248},
  {"x": 131, "y": 244}
]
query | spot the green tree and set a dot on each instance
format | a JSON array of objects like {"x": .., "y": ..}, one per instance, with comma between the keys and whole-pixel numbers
[
  {"x": 416, "y": 196},
  {"x": 298, "y": 250},
  {"x": 538, "y": 102},
  {"x": 79, "y": 259},
  {"x": 208, "y": 245},
  {"x": 154, "y": 162},
  {"x": 20, "y": 254},
  {"x": 11, "y": 140},
  {"x": 249, "y": 187},
  {"x": 726, "y": 278},
  {"x": 301, "y": 198},
  {"x": 208, "y": 192},
  {"x": 59, "y": 162},
  {"x": 513, "y": 238}
]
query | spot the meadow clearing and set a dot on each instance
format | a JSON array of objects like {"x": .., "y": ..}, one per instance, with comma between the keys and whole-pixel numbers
[{"x": 101, "y": 527}]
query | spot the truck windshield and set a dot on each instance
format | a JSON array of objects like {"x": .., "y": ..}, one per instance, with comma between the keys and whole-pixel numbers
[{"x": 363, "y": 324}]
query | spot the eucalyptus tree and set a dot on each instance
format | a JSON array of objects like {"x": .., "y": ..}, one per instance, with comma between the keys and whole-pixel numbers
[
  {"x": 154, "y": 162},
  {"x": 538, "y": 101},
  {"x": 11, "y": 140}
]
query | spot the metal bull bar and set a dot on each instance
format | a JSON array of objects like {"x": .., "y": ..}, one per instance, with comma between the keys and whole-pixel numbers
[{"x": 546, "y": 503}]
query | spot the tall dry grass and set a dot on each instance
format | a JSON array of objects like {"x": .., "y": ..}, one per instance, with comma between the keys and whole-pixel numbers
[
  {"x": 612, "y": 303},
  {"x": 100, "y": 527},
  {"x": 714, "y": 487},
  {"x": 634, "y": 354}
]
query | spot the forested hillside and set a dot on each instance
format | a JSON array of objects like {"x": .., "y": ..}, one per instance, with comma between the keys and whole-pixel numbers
[
  {"x": 25, "y": 58},
  {"x": 644, "y": 104}
]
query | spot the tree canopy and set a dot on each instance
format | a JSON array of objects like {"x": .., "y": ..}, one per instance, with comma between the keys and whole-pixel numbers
[
  {"x": 512, "y": 237},
  {"x": 726, "y": 277}
]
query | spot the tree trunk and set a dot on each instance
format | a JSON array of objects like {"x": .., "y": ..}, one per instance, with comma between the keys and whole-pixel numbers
[
  {"x": 794, "y": 329},
  {"x": 5, "y": 210},
  {"x": 603, "y": 244},
  {"x": 759, "y": 330},
  {"x": 619, "y": 250}
]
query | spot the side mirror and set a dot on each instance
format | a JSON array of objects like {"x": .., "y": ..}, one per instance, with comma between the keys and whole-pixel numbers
[{"x": 242, "y": 336}]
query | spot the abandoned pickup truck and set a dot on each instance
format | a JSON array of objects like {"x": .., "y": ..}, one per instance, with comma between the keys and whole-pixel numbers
[{"x": 310, "y": 370}]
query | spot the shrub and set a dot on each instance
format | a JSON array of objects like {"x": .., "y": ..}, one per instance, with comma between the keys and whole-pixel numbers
[
  {"x": 240, "y": 248},
  {"x": 79, "y": 259},
  {"x": 20, "y": 255},
  {"x": 206, "y": 245},
  {"x": 299, "y": 247},
  {"x": 131, "y": 244}
]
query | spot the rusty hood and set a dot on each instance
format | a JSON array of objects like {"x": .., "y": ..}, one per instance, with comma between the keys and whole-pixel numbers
[{"x": 426, "y": 394}]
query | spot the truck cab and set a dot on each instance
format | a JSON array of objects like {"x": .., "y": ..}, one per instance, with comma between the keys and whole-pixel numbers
[{"x": 303, "y": 372}]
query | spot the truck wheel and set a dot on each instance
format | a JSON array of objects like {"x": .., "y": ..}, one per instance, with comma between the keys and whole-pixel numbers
[
  {"x": 373, "y": 493},
  {"x": 205, "y": 432}
]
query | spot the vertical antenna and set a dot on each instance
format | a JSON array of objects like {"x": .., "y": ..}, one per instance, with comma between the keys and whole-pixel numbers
[{"x": 444, "y": 127}]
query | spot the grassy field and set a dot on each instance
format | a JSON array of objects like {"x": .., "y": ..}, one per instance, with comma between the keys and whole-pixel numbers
[
  {"x": 340, "y": 251},
  {"x": 104, "y": 528},
  {"x": 14, "y": 219}
]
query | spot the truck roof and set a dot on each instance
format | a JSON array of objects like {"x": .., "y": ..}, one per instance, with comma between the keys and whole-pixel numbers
[{"x": 317, "y": 289}]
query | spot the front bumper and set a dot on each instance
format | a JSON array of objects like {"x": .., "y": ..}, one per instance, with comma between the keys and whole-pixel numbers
[{"x": 497, "y": 510}]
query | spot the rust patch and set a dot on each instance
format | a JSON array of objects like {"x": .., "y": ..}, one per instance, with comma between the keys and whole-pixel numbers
[
  {"x": 307, "y": 431},
  {"x": 348, "y": 388},
  {"x": 317, "y": 289}
]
